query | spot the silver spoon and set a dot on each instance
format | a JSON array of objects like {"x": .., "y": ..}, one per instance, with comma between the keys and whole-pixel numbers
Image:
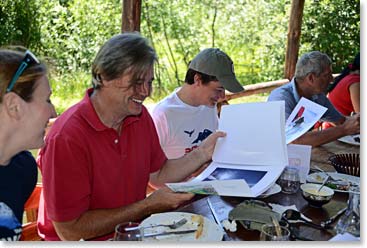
[
  {"x": 323, "y": 183},
  {"x": 291, "y": 214}
]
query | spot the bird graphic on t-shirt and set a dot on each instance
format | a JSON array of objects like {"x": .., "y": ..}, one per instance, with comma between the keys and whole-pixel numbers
[
  {"x": 189, "y": 133},
  {"x": 202, "y": 136}
]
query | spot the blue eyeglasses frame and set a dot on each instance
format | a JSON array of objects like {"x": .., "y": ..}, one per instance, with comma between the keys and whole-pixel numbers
[{"x": 28, "y": 59}]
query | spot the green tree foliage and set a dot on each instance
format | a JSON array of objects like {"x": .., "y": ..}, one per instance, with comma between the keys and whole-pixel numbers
[
  {"x": 73, "y": 31},
  {"x": 68, "y": 33},
  {"x": 20, "y": 23},
  {"x": 333, "y": 27},
  {"x": 65, "y": 33},
  {"x": 238, "y": 27}
]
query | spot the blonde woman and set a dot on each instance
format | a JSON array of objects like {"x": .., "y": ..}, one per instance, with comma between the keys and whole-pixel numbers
[{"x": 25, "y": 109}]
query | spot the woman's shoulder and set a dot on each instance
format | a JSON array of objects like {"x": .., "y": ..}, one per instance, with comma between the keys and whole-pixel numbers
[
  {"x": 24, "y": 155},
  {"x": 350, "y": 79},
  {"x": 25, "y": 161}
]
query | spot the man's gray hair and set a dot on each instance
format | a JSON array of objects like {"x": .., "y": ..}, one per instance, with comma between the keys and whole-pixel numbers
[
  {"x": 127, "y": 52},
  {"x": 312, "y": 62}
]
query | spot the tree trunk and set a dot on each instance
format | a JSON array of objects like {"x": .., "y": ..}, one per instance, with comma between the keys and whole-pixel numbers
[
  {"x": 131, "y": 11},
  {"x": 173, "y": 64},
  {"x": 213, "y": 25},
  {"x": 294, "y": 35}
]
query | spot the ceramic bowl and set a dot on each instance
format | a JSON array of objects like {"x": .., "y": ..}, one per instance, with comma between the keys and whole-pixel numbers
[{"x": 313, "y": 197}]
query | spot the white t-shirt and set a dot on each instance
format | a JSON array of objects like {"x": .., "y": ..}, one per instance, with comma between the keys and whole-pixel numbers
[{"x": 182, "y": 127}]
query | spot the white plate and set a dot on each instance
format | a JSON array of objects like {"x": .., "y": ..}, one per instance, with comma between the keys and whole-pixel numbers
[
  {"x": 349, "y": 139},
  {"x": 211, "y": 231},
  {"x": 272, "y": 191},
  {"x": 319, "y": 177}
]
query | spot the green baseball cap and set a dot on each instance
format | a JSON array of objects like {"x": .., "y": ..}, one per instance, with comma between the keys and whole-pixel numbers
[{"x": 214, "y": 62}]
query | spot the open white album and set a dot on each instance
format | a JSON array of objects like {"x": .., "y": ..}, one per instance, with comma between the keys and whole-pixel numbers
[
  {"x": 254, "y": 153},
  {"x": 250, "y": 158}
]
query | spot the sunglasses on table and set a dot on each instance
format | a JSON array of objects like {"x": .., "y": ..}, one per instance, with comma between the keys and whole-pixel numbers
[{"x": 29, "y": 59}]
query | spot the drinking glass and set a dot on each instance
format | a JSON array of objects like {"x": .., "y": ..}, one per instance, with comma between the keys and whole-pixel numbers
[
  {"x": 289, "y": 180},
  {"x": 350, "y": 220},
  {"x": 269, "y": 233},
  {"x": 128, "y": 231}
]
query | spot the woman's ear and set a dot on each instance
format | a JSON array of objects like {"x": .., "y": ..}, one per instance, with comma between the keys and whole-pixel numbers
[{"x": 13, "y": 105}]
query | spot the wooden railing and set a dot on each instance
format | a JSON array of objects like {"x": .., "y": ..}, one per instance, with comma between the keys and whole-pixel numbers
[{"x": 257, "y": 89}]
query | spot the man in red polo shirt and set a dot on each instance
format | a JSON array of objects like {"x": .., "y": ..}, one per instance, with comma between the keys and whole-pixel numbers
[{"x": 100, "y": 153}]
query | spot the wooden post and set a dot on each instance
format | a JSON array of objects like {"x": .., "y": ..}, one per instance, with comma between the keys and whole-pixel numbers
[
  {"x": 294, "y": 35},
  {"x": 131, "y": 11}
]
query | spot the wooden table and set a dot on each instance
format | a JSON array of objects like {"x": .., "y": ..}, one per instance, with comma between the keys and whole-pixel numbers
[
  {"x": 321, "y": 154},
  {"x": 223, "y": 205}
]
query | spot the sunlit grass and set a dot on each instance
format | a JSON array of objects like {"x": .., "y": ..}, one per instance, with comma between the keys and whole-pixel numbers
[
  {"x": 61, "y": 103},
  {"x": 68, "y": 89},
  {"x": 253, "y": 98}
]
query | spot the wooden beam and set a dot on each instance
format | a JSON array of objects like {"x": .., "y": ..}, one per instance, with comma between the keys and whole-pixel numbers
[
  {"x": 131, "y": 11},
  {"x": 257, "y": 89},
  {"x": 294, "y": 35}
]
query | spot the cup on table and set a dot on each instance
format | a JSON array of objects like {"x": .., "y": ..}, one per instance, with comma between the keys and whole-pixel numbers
[
  {"x": 269, "y": 233},
  {"x": 128, "y": 231},
  {"x": 289, "y": 181}
]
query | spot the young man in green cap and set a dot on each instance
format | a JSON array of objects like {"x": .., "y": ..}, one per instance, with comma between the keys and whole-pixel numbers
[{"x": 189, "y": 114}]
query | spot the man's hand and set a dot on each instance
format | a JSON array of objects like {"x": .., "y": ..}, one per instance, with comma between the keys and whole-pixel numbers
[
  {"x": 98, "y": 222},
  {"x": 164, "y": 199},
  {"x": 352, "y": 124},
  {"x": 177, "y": 170},
  {"x": 207, "y": 147}
]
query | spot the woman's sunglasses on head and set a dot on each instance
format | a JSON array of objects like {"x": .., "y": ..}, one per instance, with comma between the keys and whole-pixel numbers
[{"x": 28, "y": 60}]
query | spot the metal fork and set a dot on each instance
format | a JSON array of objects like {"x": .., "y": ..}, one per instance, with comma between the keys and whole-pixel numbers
[{"x": 174, "y": 225}]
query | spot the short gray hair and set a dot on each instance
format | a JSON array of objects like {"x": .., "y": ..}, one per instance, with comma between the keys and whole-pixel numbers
[
  {"x": 312, "y": 62},
  {"x": 123, "y": 52}
]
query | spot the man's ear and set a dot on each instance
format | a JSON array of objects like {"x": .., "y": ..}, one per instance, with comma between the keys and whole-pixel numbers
[
  {"x": 197, "y": 79},
  {"x": 311, "y": 78},
  {"x": 14, "y": 105}
]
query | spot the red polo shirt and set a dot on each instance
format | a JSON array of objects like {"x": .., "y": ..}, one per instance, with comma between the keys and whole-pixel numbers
[{"x": 86, "y": 165}]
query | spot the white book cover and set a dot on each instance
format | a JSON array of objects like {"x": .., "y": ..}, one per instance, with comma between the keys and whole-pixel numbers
[{"x": 250, "y": 158}]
